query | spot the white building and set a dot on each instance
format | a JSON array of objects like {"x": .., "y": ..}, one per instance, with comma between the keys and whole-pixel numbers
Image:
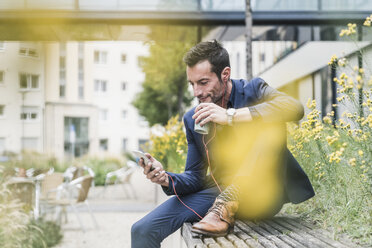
[
  {"x": 264, "y": 55},
  {"x": 117, "y": 79},
  {"x": 21, "y": 96},
  {"x": 73, "y": 98},
  {"x": 305, "y": 72}
]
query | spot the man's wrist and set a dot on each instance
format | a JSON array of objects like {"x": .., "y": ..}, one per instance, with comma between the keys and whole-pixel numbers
[
  {"x": 165, "y": 184},
  {"x": 230, "y": 116}
]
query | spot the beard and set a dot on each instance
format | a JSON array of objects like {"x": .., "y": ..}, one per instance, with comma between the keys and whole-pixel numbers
[{"x": 218, "y": 98}]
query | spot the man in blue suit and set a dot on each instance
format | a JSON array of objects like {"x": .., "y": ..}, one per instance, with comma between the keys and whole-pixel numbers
[{"x": 225, "y": 105}]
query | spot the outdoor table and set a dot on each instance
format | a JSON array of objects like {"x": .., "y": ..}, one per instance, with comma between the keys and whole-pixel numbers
[{"x": 35, "y": 180}]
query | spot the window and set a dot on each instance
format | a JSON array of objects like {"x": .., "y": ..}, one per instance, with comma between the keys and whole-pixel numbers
[
  {"x": 81, "y": 91},
  {"x": 103, "y": 114},
  {"x": 81, "y": 127},
  {"x": 123, "y": 58},
  {"x": 124, "y": 114},
  {"x": 62, "y": 62},
  {"x": 81, "y": 64},
  {"x": 103, "y": 144},
  {"x": 1, "y": 77},
  {"x": 30, "y": 52},
  {"x": 29, "y": 143},
  {"x": 262, "y": 57},
  {"x": 81, "y": 70},
  {"x": 62, "y": 70},
  {"x": 125, "y": 144},
  {"x": 34, "y": 81},
  {"x": 2, "y": 110},
  {"x": 62, "y": 90},
  {"x": 29, "y": 113},
  {"x": 100, "y": 85},
  {"x": 28, "y": 81},
  {"x": 100, "y": 57},
  {"x": 123, "y": 86}
]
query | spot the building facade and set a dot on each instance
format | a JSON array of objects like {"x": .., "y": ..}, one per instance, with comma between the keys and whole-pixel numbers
[
  {"x": 71, "y": 99},
  {"x": 22, "y": 81}
]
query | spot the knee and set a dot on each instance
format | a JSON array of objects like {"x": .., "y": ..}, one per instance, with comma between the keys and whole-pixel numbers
[
  {"x": 136, "y": 229},
  {"x": 140, "y": 229},
  {"x": 143, "y": 235}
]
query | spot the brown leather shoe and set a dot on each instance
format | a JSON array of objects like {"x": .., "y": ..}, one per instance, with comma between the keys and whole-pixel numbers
[{"x": 219, "y": 219}]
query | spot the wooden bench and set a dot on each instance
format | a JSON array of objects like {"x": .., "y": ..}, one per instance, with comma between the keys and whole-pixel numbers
[{"x": 279, "y": 232}]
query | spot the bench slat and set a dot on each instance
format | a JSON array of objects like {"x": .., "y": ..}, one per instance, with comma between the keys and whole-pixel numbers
[
  {"x": 261, "y": 239},
  {"x": 215, "y": 245},
  {"x": 314, "y": 242},
  {"x": 224, "y": 242},
  {"x": 208, "y": 241},
  {"x": 247, "y": 239},
  {"x": 278, "y": 242},
  {"x": 293, "y": 235},
  {"x": 236, "y": 241},
  {"x": 317, "y": 234},
  {"x": 189, "y": 238},
  {"x": 342, "y": 240},
  {"x": 279, "y": 232},
  {"x": 270, "y": 227}
]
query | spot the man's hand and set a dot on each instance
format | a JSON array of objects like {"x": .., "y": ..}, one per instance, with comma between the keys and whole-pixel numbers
[
  {"x": 158, "y": 175},
  {"x": 210, "y": 112}
]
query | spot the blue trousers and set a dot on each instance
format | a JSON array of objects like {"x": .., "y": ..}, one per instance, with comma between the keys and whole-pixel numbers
[{"x": 152, "y": 229}]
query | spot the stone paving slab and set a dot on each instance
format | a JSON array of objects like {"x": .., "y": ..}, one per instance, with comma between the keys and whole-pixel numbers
[
  {"x": 113, "y": 231},
  {"x": 115, "y": 212}
]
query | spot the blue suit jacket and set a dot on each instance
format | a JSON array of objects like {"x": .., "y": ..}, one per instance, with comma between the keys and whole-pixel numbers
[{"x": 266, "y": 104}]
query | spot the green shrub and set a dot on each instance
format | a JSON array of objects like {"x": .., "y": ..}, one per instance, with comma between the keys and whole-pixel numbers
[
  {"x": 43, "y": 233},
  {"x": 31, "y": 159},
  {"x": 100, "y": 166},
  {"x": 337, "y": 156}
]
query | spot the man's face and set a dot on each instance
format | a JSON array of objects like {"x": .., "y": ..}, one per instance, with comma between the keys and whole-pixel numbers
[{"x": 206, "y": 86}]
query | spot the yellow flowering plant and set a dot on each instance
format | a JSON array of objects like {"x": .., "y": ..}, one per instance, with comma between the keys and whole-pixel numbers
[
  {"x": 337, "y": 153},
  {"x": 170, "y": 147}
]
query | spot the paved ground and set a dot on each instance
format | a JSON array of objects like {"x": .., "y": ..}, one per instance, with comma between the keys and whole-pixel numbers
[{"x": 115, "y": 213}]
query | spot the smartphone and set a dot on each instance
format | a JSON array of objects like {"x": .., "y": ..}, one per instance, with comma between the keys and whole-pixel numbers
[{"x": 146, "y": 160}]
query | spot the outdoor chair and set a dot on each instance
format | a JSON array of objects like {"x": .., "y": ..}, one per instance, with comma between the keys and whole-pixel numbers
[
  {"x": 48, "y": 191},
  {"x": 74, "y": 172},
  {"x": 122, "y": 176},
  {"x": 72, "y": 194},
  {"x": 49, "y": 183}
]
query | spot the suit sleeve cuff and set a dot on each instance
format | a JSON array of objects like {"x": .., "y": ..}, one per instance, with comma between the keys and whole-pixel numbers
[{"x": 169, "y": 190}]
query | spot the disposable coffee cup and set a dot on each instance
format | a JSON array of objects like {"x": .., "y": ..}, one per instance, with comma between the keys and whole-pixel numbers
[{"x": 201, "y": 129}]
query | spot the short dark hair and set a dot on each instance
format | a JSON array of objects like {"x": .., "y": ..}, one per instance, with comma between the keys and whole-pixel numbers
[{"x": 212, "y": 51}]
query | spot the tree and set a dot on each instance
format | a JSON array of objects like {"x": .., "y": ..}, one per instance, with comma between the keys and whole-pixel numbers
[{"x": 164, "y": 91}]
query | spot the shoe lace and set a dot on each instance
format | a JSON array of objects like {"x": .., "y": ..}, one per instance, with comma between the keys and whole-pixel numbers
[{"x": 217, "y": 208}]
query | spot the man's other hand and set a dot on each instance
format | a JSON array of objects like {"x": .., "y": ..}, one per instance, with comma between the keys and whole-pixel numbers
[{"x": 157, "y": 175}]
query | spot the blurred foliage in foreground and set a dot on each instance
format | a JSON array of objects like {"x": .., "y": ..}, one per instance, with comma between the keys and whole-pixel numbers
[
  {"x": 18, "y": 229},
  {"x": 338, "y": 156}
]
